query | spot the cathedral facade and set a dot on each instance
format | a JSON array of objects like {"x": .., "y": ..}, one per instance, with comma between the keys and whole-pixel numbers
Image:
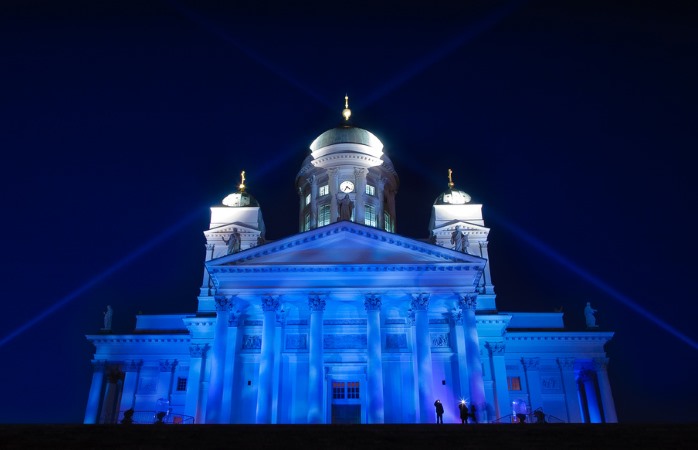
[{"x": 347, "y": 321}]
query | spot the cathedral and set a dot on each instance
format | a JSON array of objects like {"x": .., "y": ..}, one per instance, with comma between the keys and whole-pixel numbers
[{"x": 347, "y": 321}]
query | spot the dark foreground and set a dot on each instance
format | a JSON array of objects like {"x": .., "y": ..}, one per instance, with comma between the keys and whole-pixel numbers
[{"x": 430, "y": 437}]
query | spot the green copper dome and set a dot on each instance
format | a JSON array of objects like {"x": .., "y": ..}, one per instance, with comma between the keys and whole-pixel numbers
[{"x": 346, "y": 134}]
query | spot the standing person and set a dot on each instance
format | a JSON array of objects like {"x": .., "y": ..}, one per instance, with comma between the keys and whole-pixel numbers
[
  {"x": 439, "y": 411},
  {"x": 473, "y": 413},
  {"x": 463, "y": 412}
]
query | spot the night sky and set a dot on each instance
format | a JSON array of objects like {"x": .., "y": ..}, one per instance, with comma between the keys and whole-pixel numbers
[{"x": 575, "y": 124}]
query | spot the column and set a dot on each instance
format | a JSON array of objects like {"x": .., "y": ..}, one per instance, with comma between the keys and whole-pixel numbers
[
  {"x": 531, "y": 368},
  {"x": 380, "y": 185},
  {"x": 316, "y": 304},
  {"x": 206, "y": 283},
  {"x": 486, "y": 279},
  {"x": 301, "y": 208},
  {"x": 167, "y": 370},
  {"x": 230, "y": 351},
  {"x": 499, "y": 372},
  {"x": 420, "y": 306},
  {"x": 334, "y": 189},
  {"x": 265, "y": 391},
  {"x": 133, "y": 372},
  {"x": 197, "y": 360},
  {"x": 92, "y": 410},
  {"x": 220, "y": 339},
  {"x": 609, "y": 408},
  {"x": 112, "y": 394},
  {"x": 468, "y": 304},
  {"x": 460, "y": 351},
  {"x": 313, "y": 201},
  {"x": 571, "y": 390},
  {"x": 360, "y": 199},
  {"x": 376, "y": 411},
  {"x": 586, "y": 377}
]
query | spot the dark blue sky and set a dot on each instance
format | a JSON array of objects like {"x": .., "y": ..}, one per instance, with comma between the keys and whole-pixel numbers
[{"x": 122, "y": 122}]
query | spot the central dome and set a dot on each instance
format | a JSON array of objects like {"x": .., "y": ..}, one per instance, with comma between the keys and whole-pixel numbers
[{"x": 346, "y": 134}]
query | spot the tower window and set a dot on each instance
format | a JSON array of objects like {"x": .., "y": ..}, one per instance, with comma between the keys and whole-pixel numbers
[
  {"x": 370, "y": 216},
  {"x": 370, "y": 190},
  {"x": 181, "y": 384},
  {"x": 307, "y": 199},
  {"x": 323, "y": 216},
  {"x": 388, "y": 222},
  {"x": 324, "y": 190}
]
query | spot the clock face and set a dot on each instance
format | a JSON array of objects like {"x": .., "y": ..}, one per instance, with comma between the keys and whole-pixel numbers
[{"x": 346, "y": 186}]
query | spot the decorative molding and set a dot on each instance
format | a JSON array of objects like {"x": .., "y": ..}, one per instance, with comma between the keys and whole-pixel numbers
[
  {"x": 395, "y": 340},
  {"x": 438, "y": 321},
  {"x": 133, "y": 366},
  {"x": 445, "y": 267},
  {"x": 223, "y": 303},
  {"x": 394, "y": 321},
  {"x": 468, "y": 301},
  {"x": 410, "y": 319},
  {"x": 317, "y": 302},
  {"x": 440, "y": 340},
  {"x": 530, "y": 363},
  {"x": 270, "y": 303},
  {"x": 566, "y": 363},
  {"x": 372, "y": 302},
  {"x": 252, "y": 342},
  {"x": 550, "y": 384},
  {"x": 296, "y": 341},
  {"x": 495, "y": 348},
  {"x": 420, "y": 302},
  {"x": 297, "y": 322},
  {"x": 345, "y": 341},
  {"x": 166, "y": 365},
  {"x": 197, "y": 350},
  {"x": 457, "y": 316},
  {"x": 253, "y": 323},
  {"x": 345, "y": 322}
]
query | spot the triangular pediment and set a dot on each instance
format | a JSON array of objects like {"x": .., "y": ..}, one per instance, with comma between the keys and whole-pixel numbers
[
  {"x": 345, "y": 243},
  {"x": 451, "y": 225},
  {"x": 229, "y": 228}
]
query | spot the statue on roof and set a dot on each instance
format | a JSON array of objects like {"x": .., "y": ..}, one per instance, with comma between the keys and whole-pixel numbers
[
  {"x": 589, "y": 316},
  {"x": 459, "y": 240},
  {"x": 107, "y": 318},
  {"x": 233, "y": 242}
]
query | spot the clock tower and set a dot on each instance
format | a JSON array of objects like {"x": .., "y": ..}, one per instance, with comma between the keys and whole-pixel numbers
[{"x": 347, "y": 176}]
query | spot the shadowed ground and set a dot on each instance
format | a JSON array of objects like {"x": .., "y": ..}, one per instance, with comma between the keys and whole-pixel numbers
[{"x": 431, "y": 437}]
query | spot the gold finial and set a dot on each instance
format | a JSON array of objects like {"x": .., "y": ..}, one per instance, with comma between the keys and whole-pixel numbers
[
  {"x": 242, "y": 181},
  {"x": 450, "y": 180},
  {"x": 347, "y": 112}
]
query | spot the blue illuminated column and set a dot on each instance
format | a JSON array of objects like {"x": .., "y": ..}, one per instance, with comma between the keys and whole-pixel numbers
[
  {"x": 531, "y": 368},
  {"x": 376, "y": 412},
  {"x": 359, "y": 206},
  {"x": 468, "y": 304},
  {"x": 316, "y": 304},
  {"x": 499, "y": 371},
  {"x": 220, "y": 339},
  {"x": 265, "y": 392},
  {"x": 609, "y": 408},
  {"x": 128, "y": 396},
  {"x": 95, "y": 392},
  {"x": 420, "y": 306},
  {"x": 167, "y": 370},
  {"x": 334, "y": 189},
  {"x": 226, "y": 402},
  {"x": 586, "y": 377},
  {"x": 571, "y": 390},
  {"x": 193, "y": 408},
  {"x": 458, "y": 323}
]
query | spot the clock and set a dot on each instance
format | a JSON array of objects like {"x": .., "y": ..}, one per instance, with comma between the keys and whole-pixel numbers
[{"x": 346, "y": 186}]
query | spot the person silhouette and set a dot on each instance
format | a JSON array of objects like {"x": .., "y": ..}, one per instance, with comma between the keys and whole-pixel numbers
[{"x": 439, "y": 411}]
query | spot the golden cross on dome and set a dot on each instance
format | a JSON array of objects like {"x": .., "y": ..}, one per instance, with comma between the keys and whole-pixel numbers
[
  {"x": 347, "y": 112},
  {"x": 450, "y": 180},
  {"x": 242, "y": 181}
]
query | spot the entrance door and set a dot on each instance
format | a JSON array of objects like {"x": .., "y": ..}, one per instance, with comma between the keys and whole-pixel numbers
[{"x": 346, "y": 402}]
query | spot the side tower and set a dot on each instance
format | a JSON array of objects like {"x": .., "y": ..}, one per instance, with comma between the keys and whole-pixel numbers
[
  {"x": 456, "y": 223},
  {"x": 347, "y": 177}
]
